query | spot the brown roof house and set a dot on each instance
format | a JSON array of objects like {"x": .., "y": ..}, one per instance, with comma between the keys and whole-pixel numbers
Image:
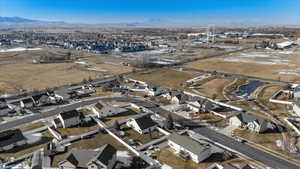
[{"x": 104, "y": 158}]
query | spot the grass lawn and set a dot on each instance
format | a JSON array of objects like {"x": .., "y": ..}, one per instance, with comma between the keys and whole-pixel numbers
[
  {"x": 215, "y": 87},
  {"x": 123, "y": 116},
  {"x": 143, "y": 138},
  {"x": 100, "y": 92},
  {"x": 264, "y": 96},
  {"x": 267, "y": 140},
  {"x": 74, "y": 131},
  {"x": 166, "y": 77},
  {"x": 23, "y": 150},
  {"x": 208, "y": 117},
  {"x": 86, "y": 112},
  {"x": 32, "y": 126}
]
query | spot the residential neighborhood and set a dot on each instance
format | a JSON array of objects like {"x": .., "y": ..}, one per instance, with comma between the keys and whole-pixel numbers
[{"x": 148, "y": 94}]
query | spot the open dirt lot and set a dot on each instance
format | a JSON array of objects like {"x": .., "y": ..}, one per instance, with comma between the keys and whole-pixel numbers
[
  {"x": 166, "y": 77},
  {"x": 18, "y": 72},
  {"x": 215, "y": 87},
  {"x": 278, "y": 64},
  {"x": 266, "y": 93}
]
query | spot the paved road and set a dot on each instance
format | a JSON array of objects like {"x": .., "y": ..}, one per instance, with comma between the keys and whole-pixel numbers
[
  {"x": 239, "y": 76},
  {"x": 247, "y": 150}
]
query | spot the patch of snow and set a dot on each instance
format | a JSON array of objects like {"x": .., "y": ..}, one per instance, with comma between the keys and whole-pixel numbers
[
  {"x": 289, "y": 72},
  {"x": 19, "y": 49},
  {"x": 80, "y": 62},
  {"x": 123, "y": 154},
  {"x": 33, "y": 138},
  {"x": 286, "y": 52},
  {"x": 271, "y": 62},
  {"x": 279, "y": 143},
  {"x": 165, "y": 166},
  {"x": 96, "y": 69},
  {"x": 254, "y": 55},
  {"x": 22, "y": 165}
]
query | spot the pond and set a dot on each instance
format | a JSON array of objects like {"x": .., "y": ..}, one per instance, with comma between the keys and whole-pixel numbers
[{"x": 246, "y": 90}]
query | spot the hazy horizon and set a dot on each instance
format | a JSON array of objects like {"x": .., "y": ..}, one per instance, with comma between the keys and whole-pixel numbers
[{"x": 272, "y": 12}]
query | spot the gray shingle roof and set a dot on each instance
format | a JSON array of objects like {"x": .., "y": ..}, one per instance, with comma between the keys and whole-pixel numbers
[
  {"x": 70, "y": 114},
  {"x": 188, "y": 143},
  {"x": 81, "y": 158},
  {"x": 145, "y": 122},
  {"x": 11, "y": 136},
  {"x": 105, "y": 153},
  {"x": 264, "y": 124},
  {"x": 114, "y": 109}
]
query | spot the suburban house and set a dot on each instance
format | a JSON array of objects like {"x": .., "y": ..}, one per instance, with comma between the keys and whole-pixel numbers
[
  {"x": 6, "y": 109},
  {"x": 102, "y": 110},
  {"x": 296, "y": 92},
  {"x": 252, "y": 122},
  {"x": 189, "y": 148},
  {"x": 153, "y": 90},
  {"x": 104, "y": 158},
  {"x": 45, "y": 98},
  {"x": 178, "y": 97},
  {"x": 142, "y": 124},
  {"x": 27, "y": 102},
  {"x": 67, "y": 119},
  {"x": 199, "y": 105},
  {"x": 296, "y": 107},
  {"x": 10, "y": 139}
]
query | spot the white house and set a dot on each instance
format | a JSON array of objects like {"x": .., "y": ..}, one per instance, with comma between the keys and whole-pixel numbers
[
  {"x": 142, "y": 124},
  {"x": 10, "y": 139},
  {"x": 189, "y": 148},
  {"x": 178, "y": 97},
  {"x": 252, "y": 122},
  {"x": 27, "y": 102},
  {"x": 68, "y": 119},
  {"x": 107, "y": 110}
]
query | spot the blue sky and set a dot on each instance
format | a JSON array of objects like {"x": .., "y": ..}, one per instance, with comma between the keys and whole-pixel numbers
[{"x": 196, "y": 11}]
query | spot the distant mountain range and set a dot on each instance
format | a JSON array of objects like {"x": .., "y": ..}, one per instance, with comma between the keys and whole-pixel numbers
[
  {"x": 15, "y": 20},
  {"x": 19, "y": 22}
]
